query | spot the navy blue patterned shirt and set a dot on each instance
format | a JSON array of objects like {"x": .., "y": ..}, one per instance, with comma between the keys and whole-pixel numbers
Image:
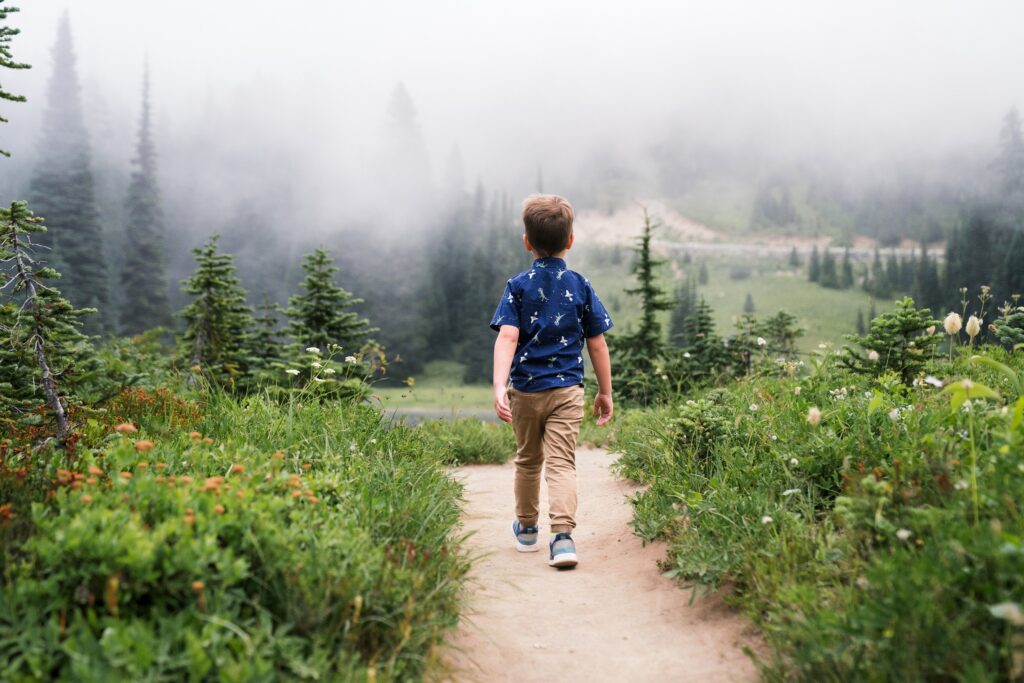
[{"x": 556, "y": 310}]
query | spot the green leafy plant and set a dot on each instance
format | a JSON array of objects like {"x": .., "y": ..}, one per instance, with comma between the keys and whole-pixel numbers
[{"x": 897, "y": 341}]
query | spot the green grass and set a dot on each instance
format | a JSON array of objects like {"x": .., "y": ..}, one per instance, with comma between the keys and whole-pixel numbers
[{"x": 882, "y": 543}]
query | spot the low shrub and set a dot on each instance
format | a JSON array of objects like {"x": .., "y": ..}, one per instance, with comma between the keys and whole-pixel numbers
[
  {"x": 287, "y": 540},
  {"x": 471, "y": 441},
  {"x": 871, "y": 527}
]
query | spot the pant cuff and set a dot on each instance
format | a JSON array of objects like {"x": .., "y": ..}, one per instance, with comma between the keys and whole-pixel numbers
[{"x": 561, "y": 529}]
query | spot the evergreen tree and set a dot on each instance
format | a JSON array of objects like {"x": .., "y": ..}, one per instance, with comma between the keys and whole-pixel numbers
[
  {"x": 686, "y": 300},
  {"x": 144, "y": 276},
  {"x": 899, "y": 341},
  {"x": 218, "y": 321},
  {"x": 320, "y": 316},
  {"x": 872, "y": 311},
  {"x": 264, "y": 342},
  {"x": 1012, "y": 280},
  {"x": 7, "y": 60},
  {"x": 702, "y": 276},
  {"x": 794, "y": 259},
  {"x": 926, "y": 284},
  {"x": 846, "y": 280},
  {"x": 814, "y": 268},
  {"x": 1010, "y": 162},
  {"x": 877, "y": 275},
  {"x": 43, "y": 351},
  {"x": 861, "y": 327},
  {"x": 62, "y": 188},
  {"x": 892, "y": 273},
  {"x": 748, "y": 304},
  {"x": 829, "y": 271},
  {"x": 648, "y": 338},
  {"x": 706, "y": 353}
]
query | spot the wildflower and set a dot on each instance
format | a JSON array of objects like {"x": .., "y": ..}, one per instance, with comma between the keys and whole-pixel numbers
[
  {"x": 664, "y": 377},
  {"x": 373, "y": 440},
  {"x": 794, "y": 462},
  {"x": 86, "y": 499},
  {"x": 966, "y": 407},
  {"x": 814, "y": 415},
  {"x": 894, "y": 414},
  {"x": 904, "y": 534},
  {"x": 933, "y": 381},
  {"x": 686, "y": 354},
  {"x": 973, "y": 327},
  {"x": 873, "y": 356},
  {"x": 761, "y": 341},
  {"x": 198, "y": 586},
  {"x": 277, "y": 456},
  {"x": 952, "y": 324},
  {"x": 822, "y": 346},
  {"x": 125, "y": 427},
  {"x": 960, "y": 485},
  {"x": 143, "y": 445},
  {"x": 292, "y": 371},
  {"x": 316, "y": 364},
  {"x": 312, "y": 349},
  {"x": 329, "y": 371},
  {"x": 796, "y": 391},
  {"x": 691, "y": 402},
  {"x": 863, "y": 583},
  {"x": 95, "y": 470},
  {"x": 1010, "y": 611},
  {"x": 208, "y": 441},
  {"x": 967, "y": 384},
  {"x": 754, "y": 407},
  {"x": 766, "y": 520},
  {"x": 319, "y": 380},
  {"x": 219, "y": 509},
  {"x": 350, "y": 359},
  {"x": 930, "y": 329},
  {"x": 237, "y": 469},
  {"x": 195, "y": 435},
  {"x": 790, "y": 492}
]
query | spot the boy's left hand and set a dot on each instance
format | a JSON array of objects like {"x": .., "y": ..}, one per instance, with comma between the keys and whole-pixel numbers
[{"x": 501, "y": 406}]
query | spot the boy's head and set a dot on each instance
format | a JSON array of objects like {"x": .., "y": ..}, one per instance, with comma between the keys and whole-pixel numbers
[{"x": 548, "y": 220}]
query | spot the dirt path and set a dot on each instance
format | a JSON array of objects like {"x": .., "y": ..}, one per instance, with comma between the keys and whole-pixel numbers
[{"x": 613, "y": 618}]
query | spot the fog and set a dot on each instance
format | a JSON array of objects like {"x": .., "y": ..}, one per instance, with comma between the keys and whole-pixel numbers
[{"x": 299, "y": 93}]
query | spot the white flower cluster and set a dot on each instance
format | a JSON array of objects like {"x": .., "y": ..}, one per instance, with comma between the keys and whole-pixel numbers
[{"x": 839, "y": 394}]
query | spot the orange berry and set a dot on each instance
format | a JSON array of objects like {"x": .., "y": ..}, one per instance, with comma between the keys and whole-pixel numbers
[
  {"x": 91, "y": 480},
  {"x": 160, "y": 465},
  {"x": 143, "y": 445},
  {"x": 306, "y": 466},
  {"x": 313, "y": 499},
  {"x": 237, "y": 469},
  {"x": 194, "y": 435},
  {"x": 277, "y": 456},
  {"x": 207, "y": 440},
  {"x": 95, "y": 470},
  {"x": 126, "y": 475},
  {"x": 198, "y": 586},
  {"x": 219, "y": 509},
  {"x": 190, "y": 519},
  {"x": 185, "y": 479},
  {"x": 86, "y": 499},
  {"x": 296, "y": 494},
  {"x": 143, "y": 465},
  {"x": 125, "y": 427}
]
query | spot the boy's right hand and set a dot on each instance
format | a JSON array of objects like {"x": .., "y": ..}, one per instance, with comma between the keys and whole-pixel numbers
[{"x": 501, "y": 406}]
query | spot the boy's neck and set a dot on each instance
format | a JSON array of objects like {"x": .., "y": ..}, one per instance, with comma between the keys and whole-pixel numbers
[{"x": 559, "y": 255}]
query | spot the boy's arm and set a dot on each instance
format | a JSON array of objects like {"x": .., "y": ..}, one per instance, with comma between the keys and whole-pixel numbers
[
  {"x": 597, "y": 347},
  {"x": 504, "y": 352}
]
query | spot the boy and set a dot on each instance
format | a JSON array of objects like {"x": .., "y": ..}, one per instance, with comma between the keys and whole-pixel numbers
[{"x": 546, "y": 316}]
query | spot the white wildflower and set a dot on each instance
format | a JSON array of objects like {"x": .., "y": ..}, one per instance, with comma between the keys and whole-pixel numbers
[
  {"x": 312, "y": 349},
  {"x": 863, "y": 583},
  {"x": 814, "y": 415},
  {"x": 686, "y": 354},
  {"x": 319, "y": 380},
  {"x": 967, "y": 384},
  {"x": 794, "y": 462},
  {"x": 930, "y": 329},
  {"x": 790, "y": 492},
  {"x": 904, "y": 534},
  {"x": 960, "y": 485},
  {"x": 894, "y": 414},
  {"x": 350, "y": 359},
  {"x": 292, "y": 371},
  {"x": 761, "y": 341},
  {"x": 1009, "y": 611},
  {"x": 966, "y": 407},
  {"x": 329, "y": 371},
  {"x": 973, "y": 327},
  {"x": 935, "y": 382},
  {"x": 796, "y": 391},
  {"x": 665, "y": 377},
  {"x": 822, "y": 346},
  {"x": 873, "y": 356},
  {"x": 754, "y": 407},
  {"x": 373, "y": 440},
  {"x": 766, "y": 520},
  {"x": 691, "y": 402},
  {"x": 952, "y": 324},
  {"x": 316, "y": 364}
]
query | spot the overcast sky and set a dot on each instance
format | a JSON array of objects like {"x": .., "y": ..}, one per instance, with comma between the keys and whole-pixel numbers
[{"x": 517, "y": 84}]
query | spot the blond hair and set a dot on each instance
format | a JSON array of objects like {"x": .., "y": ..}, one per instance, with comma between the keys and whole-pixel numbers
[{"x": 548, "y": 220}]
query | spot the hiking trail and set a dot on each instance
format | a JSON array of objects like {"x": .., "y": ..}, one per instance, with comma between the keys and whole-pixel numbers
[{"x": 612, "y": 618}]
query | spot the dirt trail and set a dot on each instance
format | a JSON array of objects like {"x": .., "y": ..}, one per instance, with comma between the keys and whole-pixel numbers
[{"x": 613, "y": 618}]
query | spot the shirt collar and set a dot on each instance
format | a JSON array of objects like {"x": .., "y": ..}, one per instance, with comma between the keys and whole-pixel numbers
[{"x": 549, "y": 262}]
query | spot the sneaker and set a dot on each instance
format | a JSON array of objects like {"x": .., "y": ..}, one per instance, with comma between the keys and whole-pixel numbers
[
  {"x": 526, "y": 537},
  {"x": 563, "y": 551}
]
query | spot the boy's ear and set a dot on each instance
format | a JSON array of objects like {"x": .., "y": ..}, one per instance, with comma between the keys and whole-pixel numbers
[
  {"x": 568, "y": 245},
  {"x": 526, "y": 243}
]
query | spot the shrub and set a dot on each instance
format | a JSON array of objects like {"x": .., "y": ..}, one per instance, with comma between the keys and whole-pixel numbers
[{"x": 470, "y": 441}]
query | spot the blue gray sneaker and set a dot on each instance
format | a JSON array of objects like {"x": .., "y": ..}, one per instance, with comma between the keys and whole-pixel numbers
[
  {"x": 526, "y": 537},
  {"x": 563, "y": 551}
]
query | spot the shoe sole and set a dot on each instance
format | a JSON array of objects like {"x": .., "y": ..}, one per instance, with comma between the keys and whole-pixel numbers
[
  {"x": 564, "y": 560},
  {"x": 523, "y": 548}
]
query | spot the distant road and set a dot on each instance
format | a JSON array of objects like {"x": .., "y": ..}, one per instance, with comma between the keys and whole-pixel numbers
[{"x": 754, "y": 250}]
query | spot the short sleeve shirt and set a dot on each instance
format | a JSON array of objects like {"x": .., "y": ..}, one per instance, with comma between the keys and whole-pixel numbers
[{"x": 556, "y": 310}]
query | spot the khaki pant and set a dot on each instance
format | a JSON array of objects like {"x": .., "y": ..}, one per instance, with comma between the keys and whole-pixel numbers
[{"x": 547, "y": 424}]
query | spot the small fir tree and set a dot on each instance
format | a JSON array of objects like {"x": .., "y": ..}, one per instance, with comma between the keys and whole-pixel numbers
[
  {"x": 686, "y": 299},
  {"x": 748, "y": 304},
  {"x": 702, "y": 276},
  {"x": 814, "y": 267},
  {"x": 794, "y": 259},
  {"x": 861, "y": 327},
  {"x": 320, "y": 316},
  {"x": 897, "y": 341},
  {"x": 264, "y": 342},
  {"x": 846, "y": 280},
  {"x": 647, "y": 341},
  {"x": 7, "y": 60},
  {"x": 144, "y": 277},
  {"x": 829, "y": 271},
  {"x": 218, "y": 321},
  {"x": 39, "y": 333}
]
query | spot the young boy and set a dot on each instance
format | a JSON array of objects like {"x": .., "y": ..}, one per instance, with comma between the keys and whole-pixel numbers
[{"x": 545, "y": 318}]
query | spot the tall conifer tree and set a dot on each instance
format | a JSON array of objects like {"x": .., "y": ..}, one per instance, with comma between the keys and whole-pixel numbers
[
  {"x": 320, "y": 316},
  {"x": 62, "y": 187},
  {"x": 7, "y": 60},
  {"x": 144, "y": 276}
]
